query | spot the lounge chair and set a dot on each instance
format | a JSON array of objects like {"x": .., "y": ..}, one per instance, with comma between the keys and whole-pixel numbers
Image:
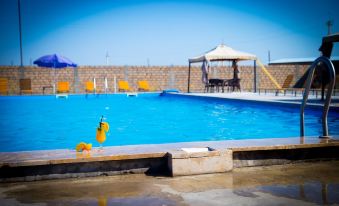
[
  {"x": 143, "y": 86},
  {"x": 89, "y": 87},
  {"x": 286, "y": 85},
  {"x": 25, "y": 86},
  {"x": 63, "y": 87},
  {"x": 123, "y": 86},
  {"x": 3, "y": 86}
]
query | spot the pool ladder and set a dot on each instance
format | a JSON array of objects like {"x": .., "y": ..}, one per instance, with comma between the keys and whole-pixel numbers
[{"x": 324, "y": 63}]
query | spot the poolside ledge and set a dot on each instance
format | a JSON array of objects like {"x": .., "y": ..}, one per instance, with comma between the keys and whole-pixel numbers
[
  {"x": 181, "y": 162},
  {"x": 154, "y": 159}
]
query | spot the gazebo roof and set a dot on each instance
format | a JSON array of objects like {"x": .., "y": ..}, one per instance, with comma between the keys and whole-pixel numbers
[{"x": 222, "y": 52}]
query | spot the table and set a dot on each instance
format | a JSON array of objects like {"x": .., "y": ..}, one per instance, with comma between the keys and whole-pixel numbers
[{"x": 217, "y": 83}]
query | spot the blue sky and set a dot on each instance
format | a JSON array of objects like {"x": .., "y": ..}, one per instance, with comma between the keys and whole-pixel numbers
[{"x": 164, "y": 32}]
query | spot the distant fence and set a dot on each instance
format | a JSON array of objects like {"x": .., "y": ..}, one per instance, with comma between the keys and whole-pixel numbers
[{"x": 159, "y": 77}]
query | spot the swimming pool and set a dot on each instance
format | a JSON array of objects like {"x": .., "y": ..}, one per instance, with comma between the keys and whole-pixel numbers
[{"x": 44, "y": 122}]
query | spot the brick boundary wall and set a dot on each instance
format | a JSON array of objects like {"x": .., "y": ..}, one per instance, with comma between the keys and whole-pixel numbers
[{"x": 159, "y": 77}]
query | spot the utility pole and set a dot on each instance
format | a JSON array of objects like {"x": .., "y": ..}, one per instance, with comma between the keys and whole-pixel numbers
[
  {"x": 107, "y": 58},
  {"x": 269, "y": 56},
  {"x": 148, "y": 64},
  {"x": 329, "y": 25},
  {"x": 20, "y": 33}
]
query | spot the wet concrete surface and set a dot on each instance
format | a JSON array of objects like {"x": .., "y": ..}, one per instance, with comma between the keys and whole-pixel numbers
[{"x": 294, "y": 184}]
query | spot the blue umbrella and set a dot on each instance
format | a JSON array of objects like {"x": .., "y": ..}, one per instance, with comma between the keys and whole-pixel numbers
[{"x": 54, "y": 61}]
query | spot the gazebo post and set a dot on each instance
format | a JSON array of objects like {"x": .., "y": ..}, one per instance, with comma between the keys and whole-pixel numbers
[
  {"x": 255, "y": 75},
  {"x": 189, "y": 77}
]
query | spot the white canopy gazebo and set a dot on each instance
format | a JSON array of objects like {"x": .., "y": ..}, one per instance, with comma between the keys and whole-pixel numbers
[{"x": 222, "y": 53}]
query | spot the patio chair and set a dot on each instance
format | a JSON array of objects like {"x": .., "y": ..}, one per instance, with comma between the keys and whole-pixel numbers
[
  {"x": 123, "y": 86},
  {"x": 207, "y": 87},
  {"x": 3, "y": 86},
  {"x": 89, "y": 87},
  {"x": 63, "y": 87},
  {"x": 214, "y": 84},
  {"x": 143, "y": 86},
  {"x": 234, "y": 84},
  {"x": 25, "y": 86}
]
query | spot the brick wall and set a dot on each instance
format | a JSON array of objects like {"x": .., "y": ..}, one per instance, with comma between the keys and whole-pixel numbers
[{"x": 159, "y": 77}]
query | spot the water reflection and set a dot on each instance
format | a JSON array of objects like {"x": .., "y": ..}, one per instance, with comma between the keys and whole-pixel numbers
[
  {"x": 321, "y": 140},
  {"x": 131, "y": 201},
  {"x": 294, "y": 184},
  {"x": 102, "y": 201},
  {"x": 80, "y": 155},
  {"x": 315, "y": 192},
  {"x": 302, "y": 140}
]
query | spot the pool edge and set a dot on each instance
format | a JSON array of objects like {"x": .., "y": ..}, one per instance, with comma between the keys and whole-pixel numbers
[{"x": 156, "y": 161}]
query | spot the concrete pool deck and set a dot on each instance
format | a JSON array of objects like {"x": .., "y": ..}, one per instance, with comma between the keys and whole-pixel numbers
[
  {"x": 64, "y": 163},
  {"x": 268, "y": 97},
  {"x": 113, "y": 160},
  {"x": 315, "y": 183},
  {"x": 60, "y": 156}
]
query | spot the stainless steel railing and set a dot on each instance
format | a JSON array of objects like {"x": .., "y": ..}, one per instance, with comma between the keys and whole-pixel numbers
[{"x": 326, "y": 64}]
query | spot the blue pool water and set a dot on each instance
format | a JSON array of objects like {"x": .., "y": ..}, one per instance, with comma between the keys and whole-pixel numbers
[{"x": 44, "y": 122}]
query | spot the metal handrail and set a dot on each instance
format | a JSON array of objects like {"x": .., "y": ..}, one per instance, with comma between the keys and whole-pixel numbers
[{"x": 326, "y": 63}]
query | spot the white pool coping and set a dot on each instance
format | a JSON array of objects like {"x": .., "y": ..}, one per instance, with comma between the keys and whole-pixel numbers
[{"x": 269, "y": 97}]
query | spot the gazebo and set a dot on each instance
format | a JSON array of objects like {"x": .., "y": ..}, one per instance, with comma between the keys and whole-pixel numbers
[{"x": 221, "y": 53}]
